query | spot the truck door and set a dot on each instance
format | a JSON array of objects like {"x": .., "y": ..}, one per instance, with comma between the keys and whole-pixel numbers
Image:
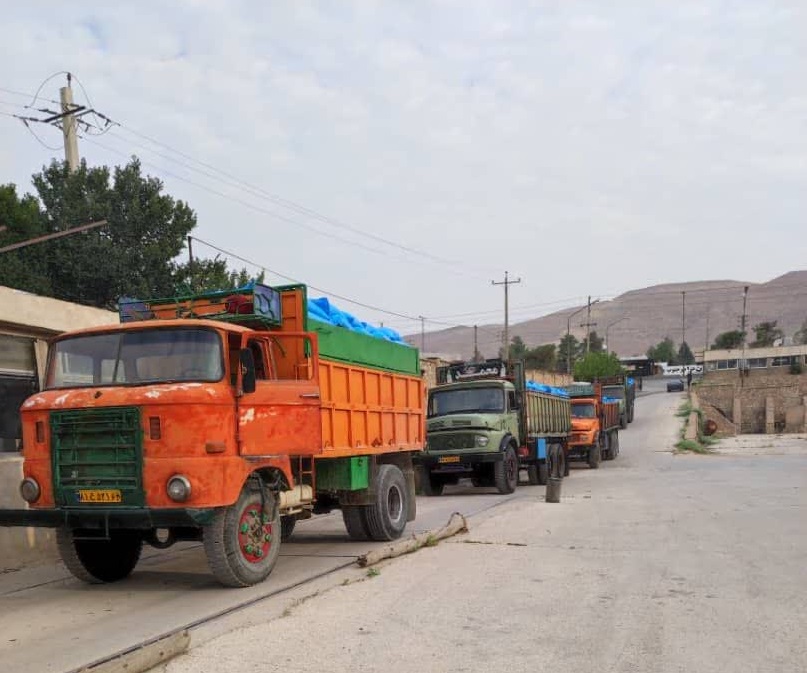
[{"x": 282, "y": 416}]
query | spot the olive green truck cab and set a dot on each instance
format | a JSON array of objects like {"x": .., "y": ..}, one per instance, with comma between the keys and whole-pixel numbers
[{"x": 484, "y": 421}]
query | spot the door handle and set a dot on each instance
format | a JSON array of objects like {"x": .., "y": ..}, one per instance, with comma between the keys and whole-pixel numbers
[{"x": 310, "y": 396}]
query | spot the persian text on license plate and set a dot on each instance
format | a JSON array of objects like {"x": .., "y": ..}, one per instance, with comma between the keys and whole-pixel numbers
[
  {"x": 448, "y": 459},
  {"x": 99, "y": 496}
]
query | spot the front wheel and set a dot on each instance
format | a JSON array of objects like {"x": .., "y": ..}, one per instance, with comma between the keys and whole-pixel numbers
[
  {"x": 594, "y": 456},
  {"x": 102, "y": 560},
  {"x": 243, "y": 541},
  {"x": 429, "y": 484},
  {"x": 506, "y": 472}
]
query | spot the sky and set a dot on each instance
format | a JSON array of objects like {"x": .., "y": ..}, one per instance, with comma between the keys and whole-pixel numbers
[{"x": 406, "y": 154}]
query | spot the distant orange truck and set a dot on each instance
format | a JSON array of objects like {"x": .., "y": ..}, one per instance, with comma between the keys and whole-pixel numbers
[
  {"x": 595, "y": 424},
  {"x": 222, "y": 418}
]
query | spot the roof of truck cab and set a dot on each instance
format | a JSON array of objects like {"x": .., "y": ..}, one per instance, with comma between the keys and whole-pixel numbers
[{"x": 150, "y": 324}]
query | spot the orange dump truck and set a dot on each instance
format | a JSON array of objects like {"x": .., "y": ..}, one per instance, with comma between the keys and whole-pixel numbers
[
  {"x": 595, "y": 424},
  {"x": 223, "y": 418}
]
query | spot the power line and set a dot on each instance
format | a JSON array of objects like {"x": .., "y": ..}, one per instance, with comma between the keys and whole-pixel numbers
[
  {"x": 288, "y": 203},
  {"x": 265, "y": 211}
]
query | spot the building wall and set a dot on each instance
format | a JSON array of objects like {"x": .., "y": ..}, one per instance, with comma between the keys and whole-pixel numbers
[
  {"x": 720, "y": 389},
  {"x": 27, "y": 321}
]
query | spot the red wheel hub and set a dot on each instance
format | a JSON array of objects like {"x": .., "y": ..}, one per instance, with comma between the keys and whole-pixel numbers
[{"x": 255, "y": 535}]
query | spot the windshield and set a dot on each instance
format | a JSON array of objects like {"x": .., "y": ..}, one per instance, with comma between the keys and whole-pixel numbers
[
  {"x": 466, "y": 400},
  {"x": 136, "y": 358},
  {"x": 583, "y": 411}
]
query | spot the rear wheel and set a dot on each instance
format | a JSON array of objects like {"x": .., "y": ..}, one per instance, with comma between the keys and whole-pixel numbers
[
  {"x": 614, "y": 445},
  {"x": 537, "y": 474},
  {"x": 630, "y": 415},
  {"x": 355, "y": 522},
  {"x": 386, "y": 517},
  {"x": 557, "y": 463},
  {"x": 506, "y": 472},
  {"x": 243, "y": 541},
  {"x": 102, "y": 560},
  {"x": 287, "y": 524}
]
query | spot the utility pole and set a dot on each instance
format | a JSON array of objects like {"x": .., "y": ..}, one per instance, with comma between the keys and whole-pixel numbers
[
  {"x": 745, "y": 307},
  {"x": 422, "y": 334},
  {"x": 190, "y": 263},
  {"x": 708, "y": 312},
  {"x": 588, "y": 324},
  {"x": 507, "y": 283},
  {"x": 683, "y": 317},
  {"x": 69, "y": 119},
  {"x": 69, "y": 126},
  {"x": 476, "y": 342}
]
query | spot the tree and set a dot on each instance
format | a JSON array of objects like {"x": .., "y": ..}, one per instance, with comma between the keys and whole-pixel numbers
[
  {"x": 664, "y": 351},
  {"x": 728, "y": 340},
  {"x": 23, "y": 268},
  {"x": 517, "y": 348},
  {"x": 766, "y": 334},
  {"x": 568, "y": 350},
  {"x": 685, "y": 355},
  {"x": 133, "y": 255},
  {"x": 595, "y": 342},
  {"x": 800, "y": 337},
  {"x": 597, "y": 365},
  {"x": 540, "y": 357},
  {"x": 209, "y": 275}
]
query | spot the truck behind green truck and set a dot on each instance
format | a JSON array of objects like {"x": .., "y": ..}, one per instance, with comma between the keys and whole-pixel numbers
[
  {"x": 485, "y": 422},
  {"x": 622, "y": 388}
]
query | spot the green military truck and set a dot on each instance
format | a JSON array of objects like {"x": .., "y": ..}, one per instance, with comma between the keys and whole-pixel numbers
[
  {"x": 622, "y": 388},
  {"x": 486, "y": 422}
]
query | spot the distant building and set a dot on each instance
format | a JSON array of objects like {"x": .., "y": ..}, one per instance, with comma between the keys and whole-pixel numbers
[{"x": 752, "y": 359}]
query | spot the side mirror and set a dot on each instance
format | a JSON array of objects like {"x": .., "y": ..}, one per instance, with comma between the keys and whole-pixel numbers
[{"x": 247, "y": 360}]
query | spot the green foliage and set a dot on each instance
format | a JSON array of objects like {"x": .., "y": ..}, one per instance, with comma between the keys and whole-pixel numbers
[
  {"x": 685, "y": 355},
  {"x": 596, "y": 365},
  {"x": 541, "y": 357},
  {"x": 664, "y": 351},
  {"x": 517, "y": 348},
  {"x": 595, "y": 342},
  {"x": 691, "y": 445},
  {"x": 728, "y": 340},
  {"x": 568, "y": 350},
  {"x": 133, "y": 255},
  {"x": 23, "y": 220},
  {"x": 766, "y": 334}
]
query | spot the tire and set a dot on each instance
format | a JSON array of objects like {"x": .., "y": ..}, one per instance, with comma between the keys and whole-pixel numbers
[
  {"x": 623, "y": 420},
  {"x": 566, "y": 467},
  {"x": 630, "y": 415},
  {"x": 506, "y": 472},
  {"x": 537, "y": 474},
  {"x": 242, "y": 543},
  {"x": 614, "y": 445},
  {"x": 594, "y": 456},
  {"x": 99, "y": 561},
  {"x": 287, "y": 524},
  {"x": 356, "y": 522},
  {"x": 430, "y": 485},
  {"x": 386, "y": 517}
]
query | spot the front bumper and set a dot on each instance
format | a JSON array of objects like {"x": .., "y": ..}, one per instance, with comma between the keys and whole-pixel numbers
[
  {"x": 108, "y": 518},
  {"x": 456, "y": 462}
]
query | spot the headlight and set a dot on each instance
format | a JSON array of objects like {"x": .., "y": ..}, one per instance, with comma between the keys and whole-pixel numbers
[
  {"x": 482, "y": 440},
  {"x": 178, "y": 488},
  {"x": 29, "y": 490}
]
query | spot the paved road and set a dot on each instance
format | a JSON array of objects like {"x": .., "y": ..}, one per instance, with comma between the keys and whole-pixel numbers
[
  {"x": 51, "y": 622},
  {"x": 656, "y": 562}
]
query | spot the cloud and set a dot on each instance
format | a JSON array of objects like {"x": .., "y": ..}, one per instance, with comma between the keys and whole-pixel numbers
[{"x": 572, "y": 143}]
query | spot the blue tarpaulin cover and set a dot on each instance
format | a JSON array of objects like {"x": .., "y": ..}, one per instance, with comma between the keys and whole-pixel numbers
[
  {"x": 543, "y": 388},
  {"x": 324, "y": 311}
]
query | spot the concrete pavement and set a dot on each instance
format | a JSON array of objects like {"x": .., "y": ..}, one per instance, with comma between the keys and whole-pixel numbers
[{"x": 656, "y": 562}]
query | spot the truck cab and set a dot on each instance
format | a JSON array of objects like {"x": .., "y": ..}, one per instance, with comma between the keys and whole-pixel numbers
[{"x": 472, "y": 430}]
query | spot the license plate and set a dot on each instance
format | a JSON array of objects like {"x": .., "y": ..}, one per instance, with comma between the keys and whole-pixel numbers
[
  {"x": 102, "y": 496},
  {"x": 448, "y": 459}
]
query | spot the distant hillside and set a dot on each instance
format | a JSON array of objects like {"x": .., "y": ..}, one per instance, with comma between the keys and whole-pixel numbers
[{"x": 653, "y": 313}]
